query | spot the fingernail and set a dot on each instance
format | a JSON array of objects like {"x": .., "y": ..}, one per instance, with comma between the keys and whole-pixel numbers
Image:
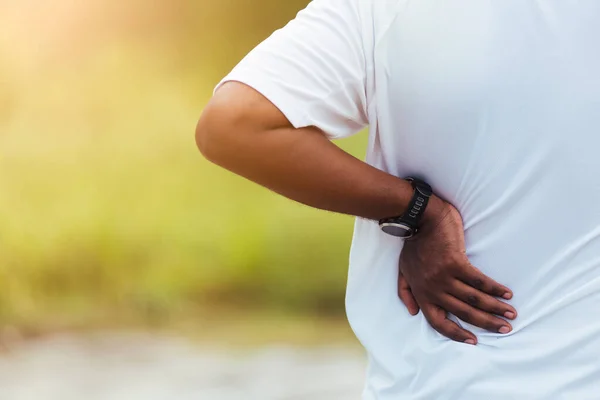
[
  {"x": 470, "y": 341},
  {"x": 507, "y": 296},
  {"x": 510, "y": 315},
  {"x": 504, "y": 329}
]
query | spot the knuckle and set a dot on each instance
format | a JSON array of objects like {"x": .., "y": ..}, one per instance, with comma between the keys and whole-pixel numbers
[
  {"x": 473, "y": 300},
  {"x": 456, "y": 269},
  {"x": 432, "y": 277},
  {"x": 457, "y": 261},
  {"x": 477, "y": 283}
]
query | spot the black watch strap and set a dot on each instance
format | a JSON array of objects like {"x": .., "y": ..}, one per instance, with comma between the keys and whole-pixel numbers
[{"x": 407, "y": 224}]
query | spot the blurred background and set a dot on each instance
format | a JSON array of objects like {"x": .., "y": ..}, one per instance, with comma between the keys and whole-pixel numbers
[{"x": 130, "y": 267}]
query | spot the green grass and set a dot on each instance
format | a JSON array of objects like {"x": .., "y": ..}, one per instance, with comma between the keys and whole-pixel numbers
[{"x": 109, "y": 215}]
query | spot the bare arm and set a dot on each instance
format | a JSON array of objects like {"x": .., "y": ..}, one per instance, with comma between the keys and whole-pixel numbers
[{"x": 242, "y": 131}]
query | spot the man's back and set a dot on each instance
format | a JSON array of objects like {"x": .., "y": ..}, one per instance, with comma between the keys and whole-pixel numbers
[{"x": 496, "y": 104}]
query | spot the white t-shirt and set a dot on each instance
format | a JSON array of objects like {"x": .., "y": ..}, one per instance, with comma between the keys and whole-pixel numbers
[{"x": 497, "y": 105}]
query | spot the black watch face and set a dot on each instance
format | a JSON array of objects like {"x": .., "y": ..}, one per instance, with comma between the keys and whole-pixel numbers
[{"x": 396, "y": 229}]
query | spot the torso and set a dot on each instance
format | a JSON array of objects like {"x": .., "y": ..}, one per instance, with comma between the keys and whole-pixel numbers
[{"x": 497, "y": 105}]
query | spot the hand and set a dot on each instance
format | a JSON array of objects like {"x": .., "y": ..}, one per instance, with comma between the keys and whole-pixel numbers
[{"x": 437, "y": 277}]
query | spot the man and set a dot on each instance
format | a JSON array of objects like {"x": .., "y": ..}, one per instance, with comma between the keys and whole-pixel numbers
[{"x": 495, "y": 105}]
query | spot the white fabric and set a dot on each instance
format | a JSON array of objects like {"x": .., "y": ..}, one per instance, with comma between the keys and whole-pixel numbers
[{"x": 497, "y": 105}]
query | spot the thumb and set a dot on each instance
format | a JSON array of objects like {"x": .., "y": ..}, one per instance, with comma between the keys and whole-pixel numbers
[{"x": 406, "y": 295}]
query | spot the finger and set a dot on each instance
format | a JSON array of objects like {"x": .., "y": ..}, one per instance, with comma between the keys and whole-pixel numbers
[
  {"x": 482, "y": 301},
  {"x": 478, "y": 280},
  {"x": 475, "y": 316},
  {"x": 406, "y": 295},
  {"x": 439, "y": 321}
]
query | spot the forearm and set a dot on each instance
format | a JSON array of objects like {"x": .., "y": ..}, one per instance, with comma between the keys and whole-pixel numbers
[
  {"x": 301, "y": 164},
  {"x": 304, "y": 166}
]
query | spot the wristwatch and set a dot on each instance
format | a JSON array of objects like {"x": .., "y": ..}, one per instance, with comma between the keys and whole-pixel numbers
[{"x": 407, "y": 225}]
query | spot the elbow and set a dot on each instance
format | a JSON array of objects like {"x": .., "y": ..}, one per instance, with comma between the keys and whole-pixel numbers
[
  {"x": 214, "y": 131},
  {"x": 227, "y": 125},
  {"x": 211, "y": 138},
  {"x": 204, "y": 137}
]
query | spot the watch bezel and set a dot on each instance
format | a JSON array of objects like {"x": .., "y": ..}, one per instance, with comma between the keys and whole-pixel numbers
[{"x": 395, "y": 225}]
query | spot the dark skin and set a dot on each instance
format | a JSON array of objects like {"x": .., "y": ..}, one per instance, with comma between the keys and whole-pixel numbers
[
  {"x": 437, "y": 277},
  {"x": 243, "y": 132}
]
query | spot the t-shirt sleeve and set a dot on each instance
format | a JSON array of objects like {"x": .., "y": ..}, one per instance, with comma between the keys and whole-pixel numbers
[{"x": 313, "y": 69}]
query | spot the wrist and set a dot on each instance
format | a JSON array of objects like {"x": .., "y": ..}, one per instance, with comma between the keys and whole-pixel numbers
[
  {"x": 434, "y": 213},
  {"x": 407, "y": 224}
]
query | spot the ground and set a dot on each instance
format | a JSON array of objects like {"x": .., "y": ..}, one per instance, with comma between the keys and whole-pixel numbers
[{"x": 152, "y": 367}]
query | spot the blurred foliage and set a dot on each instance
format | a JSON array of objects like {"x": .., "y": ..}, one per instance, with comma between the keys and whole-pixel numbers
[{"x": 107, "y": 211}]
